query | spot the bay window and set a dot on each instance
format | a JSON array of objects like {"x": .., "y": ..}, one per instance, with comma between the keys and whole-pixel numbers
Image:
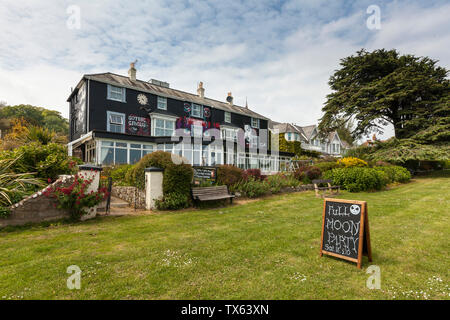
[{"x": 164, "y": 127}]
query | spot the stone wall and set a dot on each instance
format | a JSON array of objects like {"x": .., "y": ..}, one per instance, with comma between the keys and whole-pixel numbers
[
  {"x": 36, "y": 208},
  {"x": 129, "y": 194}
]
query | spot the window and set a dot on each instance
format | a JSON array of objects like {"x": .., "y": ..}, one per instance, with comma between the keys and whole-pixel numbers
[
  {"x": 164, "y": 128},
  {"x": 254, "y": 142},
  {"x": 227, "y": 117},
  {"x": 116, "y": 122},
  {"x": 116, "y": 93},
  {"x": 122, "y": 152},
  {"x": 197, "y": 131},
  {"x": 229, "y": 134},
  {"x": 162, "y": 103},
  {"x": 289, "y": 136},
  {"x": 146, "y": 149},
  {"x": 255, "y": 123},
  {"x": 197, "y": 110}
]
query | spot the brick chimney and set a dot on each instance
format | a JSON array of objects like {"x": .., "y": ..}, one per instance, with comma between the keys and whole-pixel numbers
[
  {"x": 230, "y": 98},
  {"x": 201, "y": 90},
  {"x": 132, "y": 71}
]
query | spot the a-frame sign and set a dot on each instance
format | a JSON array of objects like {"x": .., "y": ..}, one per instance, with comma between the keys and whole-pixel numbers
[{"x": 345, "y": 230}]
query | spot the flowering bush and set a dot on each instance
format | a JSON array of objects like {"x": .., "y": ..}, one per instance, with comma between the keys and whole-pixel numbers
[
  {"x": 75, "y": 197},
  {"x": 352, "y": 162}
]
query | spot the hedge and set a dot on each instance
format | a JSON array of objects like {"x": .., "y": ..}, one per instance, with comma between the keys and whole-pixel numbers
[
  {"x": 395, "y": 173},
  {"x": 356, "y": 179}
]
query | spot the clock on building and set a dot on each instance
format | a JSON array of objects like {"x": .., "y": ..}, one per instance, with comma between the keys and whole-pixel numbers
[{"x": 142, "y": 99}]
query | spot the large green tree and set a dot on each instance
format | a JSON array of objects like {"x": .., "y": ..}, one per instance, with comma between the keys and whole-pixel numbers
[{"x": 383, "y": 87}]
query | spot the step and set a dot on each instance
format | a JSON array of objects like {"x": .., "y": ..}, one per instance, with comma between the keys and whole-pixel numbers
[{"x": 115, "y": 203}]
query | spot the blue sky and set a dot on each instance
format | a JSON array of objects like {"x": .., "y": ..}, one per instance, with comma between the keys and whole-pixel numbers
[{"x": 278, "y": 54}]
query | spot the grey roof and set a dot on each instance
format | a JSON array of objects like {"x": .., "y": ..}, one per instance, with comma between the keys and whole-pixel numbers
[
  {"x": 287, "y": 127},
  {"x": 308, "y": 130},
  {"x": 345, "y": 144},
  {"x": 144, "y": 86}
]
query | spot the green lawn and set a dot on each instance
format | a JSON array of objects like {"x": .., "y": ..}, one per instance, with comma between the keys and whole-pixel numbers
[{"x": 267, "y": 249}]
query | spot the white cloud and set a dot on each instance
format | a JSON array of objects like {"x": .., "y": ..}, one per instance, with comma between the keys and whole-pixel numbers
[{"x": 279, "y": 57}]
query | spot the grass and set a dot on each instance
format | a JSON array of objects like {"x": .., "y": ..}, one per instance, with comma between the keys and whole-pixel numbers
[{"x": 267, "y": 249}]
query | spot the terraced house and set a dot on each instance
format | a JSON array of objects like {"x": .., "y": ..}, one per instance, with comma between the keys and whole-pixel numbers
[{"x": 117, "y": 119}]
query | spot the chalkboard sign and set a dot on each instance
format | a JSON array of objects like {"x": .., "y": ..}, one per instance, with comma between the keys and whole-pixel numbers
[
  {"x": 204, "y": 174},
  {"x": 345, "y": 230}
]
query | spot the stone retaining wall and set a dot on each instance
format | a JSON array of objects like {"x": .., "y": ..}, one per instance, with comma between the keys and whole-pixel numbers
[
  {"x": 130, "y": 194},
  {"x": 36, "y": 208}
]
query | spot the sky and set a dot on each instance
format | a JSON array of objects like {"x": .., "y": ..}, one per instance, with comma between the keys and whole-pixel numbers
[{"x": 279, "y": 55}]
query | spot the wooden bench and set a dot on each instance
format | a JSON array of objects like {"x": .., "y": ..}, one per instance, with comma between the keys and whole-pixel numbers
[
  {"x": 333, "y": 190},
  {"x": 211, "y": 193}
]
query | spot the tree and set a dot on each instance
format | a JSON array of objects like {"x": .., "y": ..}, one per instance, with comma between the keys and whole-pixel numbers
[
  {"x": 381, "y": 87},
  {"x": 37, "y": 116},
  {"x": 345, "y": 132}
]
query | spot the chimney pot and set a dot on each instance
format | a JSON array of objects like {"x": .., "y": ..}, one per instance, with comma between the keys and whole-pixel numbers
[
  {"x": 132, "y": 71},
  {"x": 201, "y": 90},
  {"x": 230, "y": 98}
]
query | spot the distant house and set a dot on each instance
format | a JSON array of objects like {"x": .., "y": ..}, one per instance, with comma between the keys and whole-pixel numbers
[{"x": 310, "y": 139}]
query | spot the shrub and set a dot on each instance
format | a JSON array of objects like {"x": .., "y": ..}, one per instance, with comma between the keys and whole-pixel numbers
[
  {"x": 252, "y": 173},
  {"x": 251, "y": 188},
  {"x": 177, "y": 179},
  {"x": 307, "y": 173},
  {"x": 352, "y": 162},
  {"x": 313, "y": 172},
  {"x": 46, "y": 161},
  {"x": 326, "y": 165},
  {"x": 14, "y": 186},
  {"x": 119, "y": 174},
  {"x": 75, "y": 198},
  {"x": 159, "y": 159},
  {"x": 279, "y": 181},
  {"x": 228, "y": 175},
  {"x": 395, "y": 173},
  {"x": 356, "y": 179},
  {"x": 172, "y": 201}
]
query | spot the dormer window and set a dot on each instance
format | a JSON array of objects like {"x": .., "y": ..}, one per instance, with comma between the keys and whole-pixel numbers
[
  {"x": 255, "y": 123},
  {"x": 116, "y": 93}
]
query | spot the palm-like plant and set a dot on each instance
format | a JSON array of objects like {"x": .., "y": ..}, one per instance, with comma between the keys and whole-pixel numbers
[{"x": 14, "y": 185}]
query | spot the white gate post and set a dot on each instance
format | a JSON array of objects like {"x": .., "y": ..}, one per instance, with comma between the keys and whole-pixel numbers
[
  {"x": 153, "y": 186},
  {"x": 88, "y": 172}
]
